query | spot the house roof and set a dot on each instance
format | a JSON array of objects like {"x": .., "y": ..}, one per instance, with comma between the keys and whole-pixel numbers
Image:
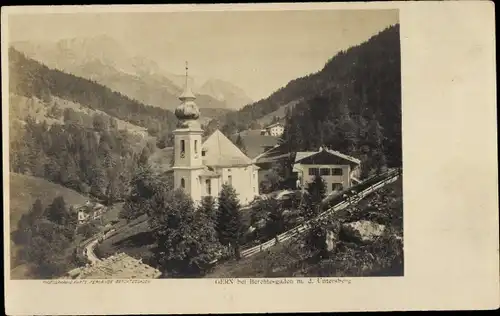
[
  {"x": 303, "y": 154},
  {"x": 325, "y": 156},
  {"x": 220, "y": 151},
  {"x": 273, "y": 125}
]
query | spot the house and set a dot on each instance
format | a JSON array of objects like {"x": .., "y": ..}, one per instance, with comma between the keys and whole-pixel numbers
[
  {"x": 83, "y": 215},
  {"x": 339, "y": 171},
  {"x": 275, "y": 129},
  {"x": 89, "y": 211},
  {"x": 202, "y": 168}
]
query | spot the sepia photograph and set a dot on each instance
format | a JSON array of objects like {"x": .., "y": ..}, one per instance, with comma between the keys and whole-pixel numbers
[
  {"x": 248, "y": 158},
  {"x": 255, "y": 144}
]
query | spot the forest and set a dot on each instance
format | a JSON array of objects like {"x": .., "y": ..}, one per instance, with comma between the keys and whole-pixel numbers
[
  {"x": 30, "y": 78},
  {"x": 98, "y": 161},
  {"x": 353, "y": 104}
]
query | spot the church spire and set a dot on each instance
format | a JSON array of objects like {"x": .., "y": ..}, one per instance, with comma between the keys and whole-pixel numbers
[
  {"x": 187, "y": 112},
  {"x": 187, "y": 95}
]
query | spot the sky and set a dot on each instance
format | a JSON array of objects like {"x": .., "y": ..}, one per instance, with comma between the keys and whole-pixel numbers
[{"x": 259, "y": 51}]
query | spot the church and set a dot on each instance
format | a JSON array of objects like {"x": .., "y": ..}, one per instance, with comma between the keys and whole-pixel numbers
[{"x": 201, "y": 169}]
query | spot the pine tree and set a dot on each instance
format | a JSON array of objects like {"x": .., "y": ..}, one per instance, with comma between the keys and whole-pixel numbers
[
  {"x": 187, "y": 243},
  {"x": 207, "y": 209},
  {"x": 229, "y": 224},
  {"x": 275, "y": 219},
  {"x": 26, "y": 222},
  {"x": 57, "y": 211},
  {"x": 144, "y": 157},
  {"x": 316, "y": 192},
  {"x": 240, "y": 144}
]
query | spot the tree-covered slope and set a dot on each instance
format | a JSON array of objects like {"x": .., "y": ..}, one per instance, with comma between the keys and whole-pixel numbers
[
  {"x": 30, "y": 78},
  {"x": 357, "y": 88}
]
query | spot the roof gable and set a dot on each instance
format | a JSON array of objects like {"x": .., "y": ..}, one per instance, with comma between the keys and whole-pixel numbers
[
  {"x": 220, "y": 151},
  {"x": 273, "y": 125},
  {"x": 325, "y": 157}
]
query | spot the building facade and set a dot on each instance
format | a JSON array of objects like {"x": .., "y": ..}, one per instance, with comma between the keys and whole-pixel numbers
[
  {"x": 339, "y": 171},
  {"x": 275, "y": 129},
  {"x": 201, "y": 169}
]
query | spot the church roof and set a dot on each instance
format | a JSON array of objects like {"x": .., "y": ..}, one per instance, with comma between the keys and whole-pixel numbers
[
  {"x": 220, "y": 151},
  {"x": 206, "y": 173}
]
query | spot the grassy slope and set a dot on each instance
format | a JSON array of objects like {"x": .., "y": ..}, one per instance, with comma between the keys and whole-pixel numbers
[
  {"x": 24, "y": 190},
  {"x": 288, "y": 259},
  {"x": 133, "y": 238},
  {"x": 280, "y": 112}
]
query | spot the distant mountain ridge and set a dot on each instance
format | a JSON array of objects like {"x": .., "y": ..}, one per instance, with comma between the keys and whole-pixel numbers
[
  {"x": 106, "y": 61},
  {"x": 30, "y": 78}
]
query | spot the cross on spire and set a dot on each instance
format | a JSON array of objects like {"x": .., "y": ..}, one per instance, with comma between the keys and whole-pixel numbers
[{"x": 187, "y": 94}]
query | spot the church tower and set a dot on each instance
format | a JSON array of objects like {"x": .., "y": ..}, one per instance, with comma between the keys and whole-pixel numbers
[{"x": 188, "y": 163}]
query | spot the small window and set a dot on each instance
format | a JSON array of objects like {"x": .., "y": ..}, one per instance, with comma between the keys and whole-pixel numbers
[
  {"x": 337, "y": 187},
  {"x": 324, "y": 171},
  {"x": 208, "y": 185},
  {"x": 195, "y": 146},
  {"x": 183, "y": 183},
  {"x": 313, "y": 171},
  {"x": 337, "y": 171},
  {"x": 183, "y": 148},
  {"x": 230, "y": 180},
  {"x": 203, "y": 152}
]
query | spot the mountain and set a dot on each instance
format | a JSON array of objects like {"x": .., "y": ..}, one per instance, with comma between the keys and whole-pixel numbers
[
  {"x": 355, "y": 97},
  {"x": 31, "y": 79},
  {"x": 107, "y": 62},
  {"x": 225, "y": 91}
]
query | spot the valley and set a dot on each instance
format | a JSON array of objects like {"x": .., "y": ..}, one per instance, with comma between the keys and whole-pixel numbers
[{"x": 92, "y": 121}]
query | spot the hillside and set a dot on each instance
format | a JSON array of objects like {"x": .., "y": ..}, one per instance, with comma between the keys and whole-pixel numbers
[
  {"x": 364, "y": 80},
  {"x": 105, "y": 61},
  {"x": 24, "y": 190},
  {"x": 351, "y": 256},
  {"x": 362, "y": 83},
  {"x": 280, "y": 113},
  {"x": 30, "y": 78},
  {"x": 255, "y": 143},
  {"x": 52, "y": 111}
]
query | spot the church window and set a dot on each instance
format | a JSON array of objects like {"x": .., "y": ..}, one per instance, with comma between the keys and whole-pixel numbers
[
  {"x": 183, "y": 148},
  {"x": 208, "y": 185},
  {"x": 183, "y": 183},
  {"x": 203, "y": 152},
  {"x": 230, "y": 180},
  {"x": 195, "y": 146}
]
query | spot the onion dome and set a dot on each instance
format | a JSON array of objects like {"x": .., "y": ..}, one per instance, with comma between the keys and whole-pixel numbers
[{"x": 188, "y": 110}]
